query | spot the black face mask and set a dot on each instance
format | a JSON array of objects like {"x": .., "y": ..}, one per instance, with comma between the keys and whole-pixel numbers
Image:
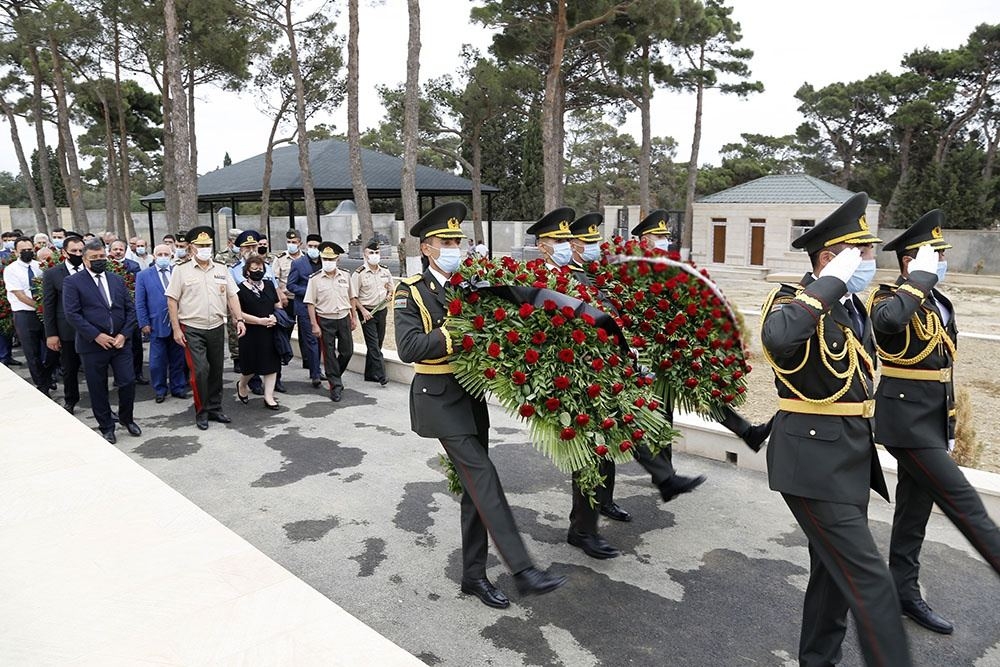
[
  {"x": 75, "y": 260},
  {"x": 27, "y": 255},
  {"x": 262, "y": 250},
  {"x": 98, "y": 265},
  {"x": 255, "y": 276}
]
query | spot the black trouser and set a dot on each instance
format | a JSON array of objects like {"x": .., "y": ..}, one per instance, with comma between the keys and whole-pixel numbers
[
  {"x": 31, "y": 333},
  {"x": 137, "y": 352},
  {"x": 205, "y": 353},
  {"x": 583, "y": 517},
  {"x": 69, "y": 360},
  {"x": 338, "y": 348},
  {"x": 484, "y": 508},
  {"x": 374, "y": 332},
  {"x": 846, "y": 571},
  {"x": 927, "y": 476},
  {"x": 95, "y": 368}
]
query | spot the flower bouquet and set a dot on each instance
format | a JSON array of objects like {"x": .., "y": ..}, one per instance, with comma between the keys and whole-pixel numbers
[
  {"x": 554, "y": 361},
  {"x": 36, "y": 284},
  {"x": 127, "y": 276},
  {"x": 6, "y": 313}
]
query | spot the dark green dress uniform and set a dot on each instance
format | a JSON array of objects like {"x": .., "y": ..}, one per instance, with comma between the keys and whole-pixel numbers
[
  {"x": 821, "y": 456},
  {"x": 914, "y": 418},
  {"x": 441, "y": 408}
]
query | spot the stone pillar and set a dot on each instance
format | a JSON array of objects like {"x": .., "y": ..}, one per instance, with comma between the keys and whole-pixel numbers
[
  {"x": 6, "y": 224},
  {"x": 65, "y": 217}
]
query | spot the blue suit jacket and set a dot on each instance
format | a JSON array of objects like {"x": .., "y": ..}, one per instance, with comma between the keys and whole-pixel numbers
[
  {"x": 151, "y": 302},
  {"x": 88, "y": 312},
  {"x": 298, "y": 276}
]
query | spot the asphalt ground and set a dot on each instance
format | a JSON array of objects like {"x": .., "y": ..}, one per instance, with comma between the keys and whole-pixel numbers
[{"x": 348, "y": 499}]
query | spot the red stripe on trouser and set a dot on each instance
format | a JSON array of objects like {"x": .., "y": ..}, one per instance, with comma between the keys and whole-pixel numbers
[
  {"x": 193, "y": 379},
  {"x": 980, "y": 546},
  {"x": 865, "y": 620}
]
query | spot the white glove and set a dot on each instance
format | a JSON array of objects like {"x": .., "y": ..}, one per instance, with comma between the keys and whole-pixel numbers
[
  {"x": 926, "y": 260},
  {"x": 843, "y": 265},
  {"x": 951, "y": 444}
]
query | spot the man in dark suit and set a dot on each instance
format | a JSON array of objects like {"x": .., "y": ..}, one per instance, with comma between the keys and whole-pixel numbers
[
  {"x": 298, "y": 281},
  {"x": 441, "y": 408},
  {"x": 100, "y": 309},
  {"x": 821, "y": 456},
  {"x": 59, "y": 335},
  {"x": 915, "y": 412},
  {"x": 167, "y": 366}
]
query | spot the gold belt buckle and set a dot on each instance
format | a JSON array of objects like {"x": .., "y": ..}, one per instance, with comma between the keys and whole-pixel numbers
[
  {"x": 945, "y": 375},
  {"x": 868, "y": 408}
]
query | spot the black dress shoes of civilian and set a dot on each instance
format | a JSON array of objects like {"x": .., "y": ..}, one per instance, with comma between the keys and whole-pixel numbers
[
  {"x": 922, "y": 614},
  {"x": 383, "y": 381},
  {"x": 335, "y": 395},
  {"x": 594, "y": 546},
  {"x": 13, "y": 362},
  {"x": 488, "y": 594},
  {"x": 160, "y": 398},
  {"x": 679, "y": 484},
  {"x": 133, "y": 429},
  {"x": 533, "y": 581},
  {"x": 180, "y": 394},
  {"x": 69, "y": 407},
  {"x": 109, "y": 436},
  {"x": 613, "y": 511},
  {"x": 141, "y": 379},
  {"x": 201, "y": 421},
  {"x": 316, "y": 382},
  {"x": 279, "y": 387},
  {"x": 219, "y": 417}
]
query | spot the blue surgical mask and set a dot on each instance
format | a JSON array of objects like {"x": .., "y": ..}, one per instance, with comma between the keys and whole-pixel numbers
[
  {"x": 180, "y": 253},
  {"x": 662, "y": 244},
  {"x": 140, "y": 250},
  {"x": 162, "y": 262},
  {"x": 292, "y": 248},
  {"x": 449, "y": 259},
  {"x": 591, "y": 252},
  {"x": 58, "y": 243},
  {"x": 942, "y": 270},
  {"x": 562, "y": 254},
  {"x": 8, "y": 245},
  {"x": 862, "y": 276},
  {"x": 313, "y": 253}
]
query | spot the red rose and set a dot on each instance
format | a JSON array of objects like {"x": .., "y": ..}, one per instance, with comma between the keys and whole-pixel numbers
[
  {"x": 597, "y": 364},
  {"x": 588, "y": 319},
  {"x": 513, "y": 337},
  {"x": 526, "y": 410},
  {"x": 691, "y": 383},
  {"x": 602, "y": 335},
  {"x": 569, "y": 312},
  {"x": 601, "y": 450},
  {"x": 538, "y": 337},
  {"x": 625, "y": 446},
  {"x": 637, "y": 434},
  {"x": 608, "y": 423},
  {"x": 639, "y": 402},
  {"x": 617, "y": 387},
  {"x": 549, "y": 305},
  {"x": 456, "y": 279},
  {"x": 582, "y": 420},
  {"x": 566, "y": 355},
  {"x": 558, "y": 320},
  {"x": 467, "y": 342},
  {"x": 531, "y": 356},
  {"x": 561, "y": 382},
  {"x": 499, "y": 314},
  {"x": 614, "y": 359},
  {"x": 737, "y": 375},
  {"x": 628, "y": 418},
  {"x": 455, "y": 307},
  {"x": 594, "y": 390},
  {"x": 478, "y": 322},
  {"x": 518, "y": 378},
  {"x": 552, "y": 404},
  {"x": 493, "y": 350},
  {"x": 526, "y": 310},
  {"x": 653, "y": 405},
  {"x": 696, "y": 366},
  {"x": 578, "y": 337},
  {"x": 490, "y": 373},
  {"x": 472, "y": 298},
  {"x": 629, "y": 371},
  {"x": 716, "y": 393},
  {"x": 568, "y": 433},
  {"x": 692, "y": 309}
]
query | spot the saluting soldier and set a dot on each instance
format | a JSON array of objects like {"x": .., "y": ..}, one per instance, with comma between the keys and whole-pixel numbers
[
  {"x": 372, "y": 286},
  {"x": 198, "y": 294},
  {"x": 821, "y": 456},
  {"x": 915, "y": 412},
  {"x": 441, "y": 408}
]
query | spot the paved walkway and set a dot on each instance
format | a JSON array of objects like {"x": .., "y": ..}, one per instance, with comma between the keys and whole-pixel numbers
[{"x": 349, "y": 500}]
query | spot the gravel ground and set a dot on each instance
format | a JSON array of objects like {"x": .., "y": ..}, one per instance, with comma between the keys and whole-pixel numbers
[{"x": 977, "y": 300}]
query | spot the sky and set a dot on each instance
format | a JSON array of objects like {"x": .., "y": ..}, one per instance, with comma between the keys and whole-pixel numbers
[{"x": 794, "y": 41}]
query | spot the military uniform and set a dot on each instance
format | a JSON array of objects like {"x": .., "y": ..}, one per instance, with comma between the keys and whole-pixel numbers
[
  {"x": 915, "y": 415},
  {"x": 371, "y": 288},
  {"x": 230, "y": 257},
  {"x": 821, "y": 456},
  {"x": 328, "y": 300}
]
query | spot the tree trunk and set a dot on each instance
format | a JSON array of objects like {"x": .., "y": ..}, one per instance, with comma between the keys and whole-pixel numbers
[
  {"x": 187, "y": 193},
  {"x": 112, "y": 195},
  {"x": 124, "y": 177},
  {"x": 190, "y": 108},
  {"x": 551, "y": 115},
  {"x": 309, "y": 195},
  {"x": 171, "y": 203},
  {"x": 411, "y": 108},
  {"x": 992, "y": 142},
  {"x": 687, "y": 230},
  {"x": 74, "y": 187},
  {"x": 22, "y": 161},
  {"x": 63, "y": 171},
  {"x": 889, "y": 212},
  {"x": 476, "y": 176},
  {"x": 44, "y": 175},
  {"x": 265, "y": 187},
  {"x": 353, "y": 132},
  {"x": 646, "y": 142}
]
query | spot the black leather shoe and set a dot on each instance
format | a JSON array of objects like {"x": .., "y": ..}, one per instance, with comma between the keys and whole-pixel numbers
[
  {"x": 533, "y": 581},
  {"x": 236, "y": 367},
  {"x": 922, "y": 614},
  {"x": 756, "y": 435},
  {"x": 160, "y": 398},
  {"x": 69, "y": 407},
  {"x": 181, "y": 394},
  {"x": 133, "y": 429},
  {"x": 109, "y": 436},
  {"x": 488, "y": 594},
  {"x": 679, "y": 484},
  {"x": 279, "y": 387},
  {"x": 335, "y": 395},
  {"x": 613, "y": 511},
  {"x": 114, "y": 416},
  {"x": 201, "y": 421},
  {"x": 141, "y": 380},
  {"x": 13, "y": 362},
  {"x": 219, "y": 417},
  {"x": 594, "y": 546},
  {"x": 316, "y": 382},
  {"x": 383, "y": 381}
]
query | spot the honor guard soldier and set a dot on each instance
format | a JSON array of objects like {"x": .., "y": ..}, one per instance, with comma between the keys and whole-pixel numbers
[
  {"x": 198, "y": 294},
  {"x": 328, "y": 301},
  {"x": 441, "y": 408},
  {"x": 653, "y": 230},
  {"x": 821, "y": 456},
  {"x": 372, "y": 286},
  {"x": 915, "y": 412}
]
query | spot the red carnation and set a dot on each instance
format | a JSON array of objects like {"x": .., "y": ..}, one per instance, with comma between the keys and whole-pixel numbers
[
  {"x": 568, "y": 433},
  {"x": 578, "y": 337},
  {"x": 608, "y": 423},
  {"x": 625, "y": 446},
  {"x": 691, "y": 383},
  {"x": 478, "y": 322},
  {"x": 472, "y": 298},
  {"x": 455, "y": 307},
  {"x": 526, "y": 310},
  {"x": 513, "y": 337},
  {"x": 597, "y": 364},
  {"x": 561, "y": 382},
  {"x": 490, "y": 373},
  {"x": 467, "y": 342},
  {"x": 527, "y": 410},
  {"x": 552, "y": 404},
  {"x": 639, "y": 402},
  {"x": 566, "y": 355},
  {"x": 549, "y": 305},
  {"x": 588, "y": 319},
  {"x": 518, "y": 378},
  {"x": 499, "y": 314},
  {"x": 531, "y": 356},
  {"x": 558, "y": 320},
  {"x": 538, "y": 337},
  {"x": 569, "y": 312},
  {"x": 601, "y": 450},
  {"x": 653, "y": 405},
  {"x": 628, "y": 418},
  {"x": 583, "y": 420},
  {"x": 614, "y": 359},
  {"x": 602, "y": 335},
  {"x": 594, "y": 390},
  {"x": 493, "y": 350},
  {"x": 617, "y": 387},
  {"x": 456, "y": 279}
]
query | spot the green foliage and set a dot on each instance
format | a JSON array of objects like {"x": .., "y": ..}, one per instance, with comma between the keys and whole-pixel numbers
[
  {"x": 58, "y": 187},
  {"x": 12, "y": 190}
]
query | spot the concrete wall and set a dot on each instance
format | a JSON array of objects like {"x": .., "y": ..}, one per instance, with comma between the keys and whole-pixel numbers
[{"x": 974, "y": 251}]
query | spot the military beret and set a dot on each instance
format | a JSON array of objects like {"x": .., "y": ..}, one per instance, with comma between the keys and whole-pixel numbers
[
  {"x": 586, "y": 227},
  {"x": 926, "y": 230},
  {"x": 330, "y": 250},
  {"x": 554, "y": 224},
  {"x": 201, "y": 235},
  {"x": 248, "y": 238},
  {"x": 657, "y": 222},
  {"x": 444, "y": 222},
  {"x": 847, "y": 224}
]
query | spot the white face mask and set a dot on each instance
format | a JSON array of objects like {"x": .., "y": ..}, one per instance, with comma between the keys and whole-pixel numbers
[
  {"x": 373, "y": 257},
  {"x": 205, "y": 253},
  {"x": 313, "y": 253},
  {"x": 180, "y": 253},
  {"x": 329, "y": 265},
  {"x": 562, "y": 254},
  {"x": 140, "y": 250},
  {"x": 449, "y": 259},
  {"x": 591, "y": 252},
  {"x": 662, "y": 244}
]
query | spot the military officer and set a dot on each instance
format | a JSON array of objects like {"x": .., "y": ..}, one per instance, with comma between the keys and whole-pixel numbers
[
  {"x": 372, "y": 286},
  {"x": 821, "y": 456},
  {"x": 230, "y": 257},
  {"x": 653, "y": 230},
  {"x": 264, "y": 249},
  {"x": 328, "y": 300},
  {"x": 914, "y": 412},
  {"x": 441, "y": 408}
]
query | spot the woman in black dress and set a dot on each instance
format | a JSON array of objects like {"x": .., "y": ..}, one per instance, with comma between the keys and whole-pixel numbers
[{"x": 258, "y": 356}]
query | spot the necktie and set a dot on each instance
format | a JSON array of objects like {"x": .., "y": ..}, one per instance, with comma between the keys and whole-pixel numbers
[
  {"x": 163, "y": 278},
  {"x": 31, "y": 275},
  {"x": 76, "y": 269},
  {"x": 858, "y": 323},
  {"x": 100, "y": 286}
]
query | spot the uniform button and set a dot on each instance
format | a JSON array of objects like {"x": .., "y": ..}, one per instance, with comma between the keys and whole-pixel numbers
[
  {"x": 424, "y": 390},
  {"x": 812, "y": 431},
  {"x": 902, "y": 395},
  {"x": 835, "y": 343}
]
